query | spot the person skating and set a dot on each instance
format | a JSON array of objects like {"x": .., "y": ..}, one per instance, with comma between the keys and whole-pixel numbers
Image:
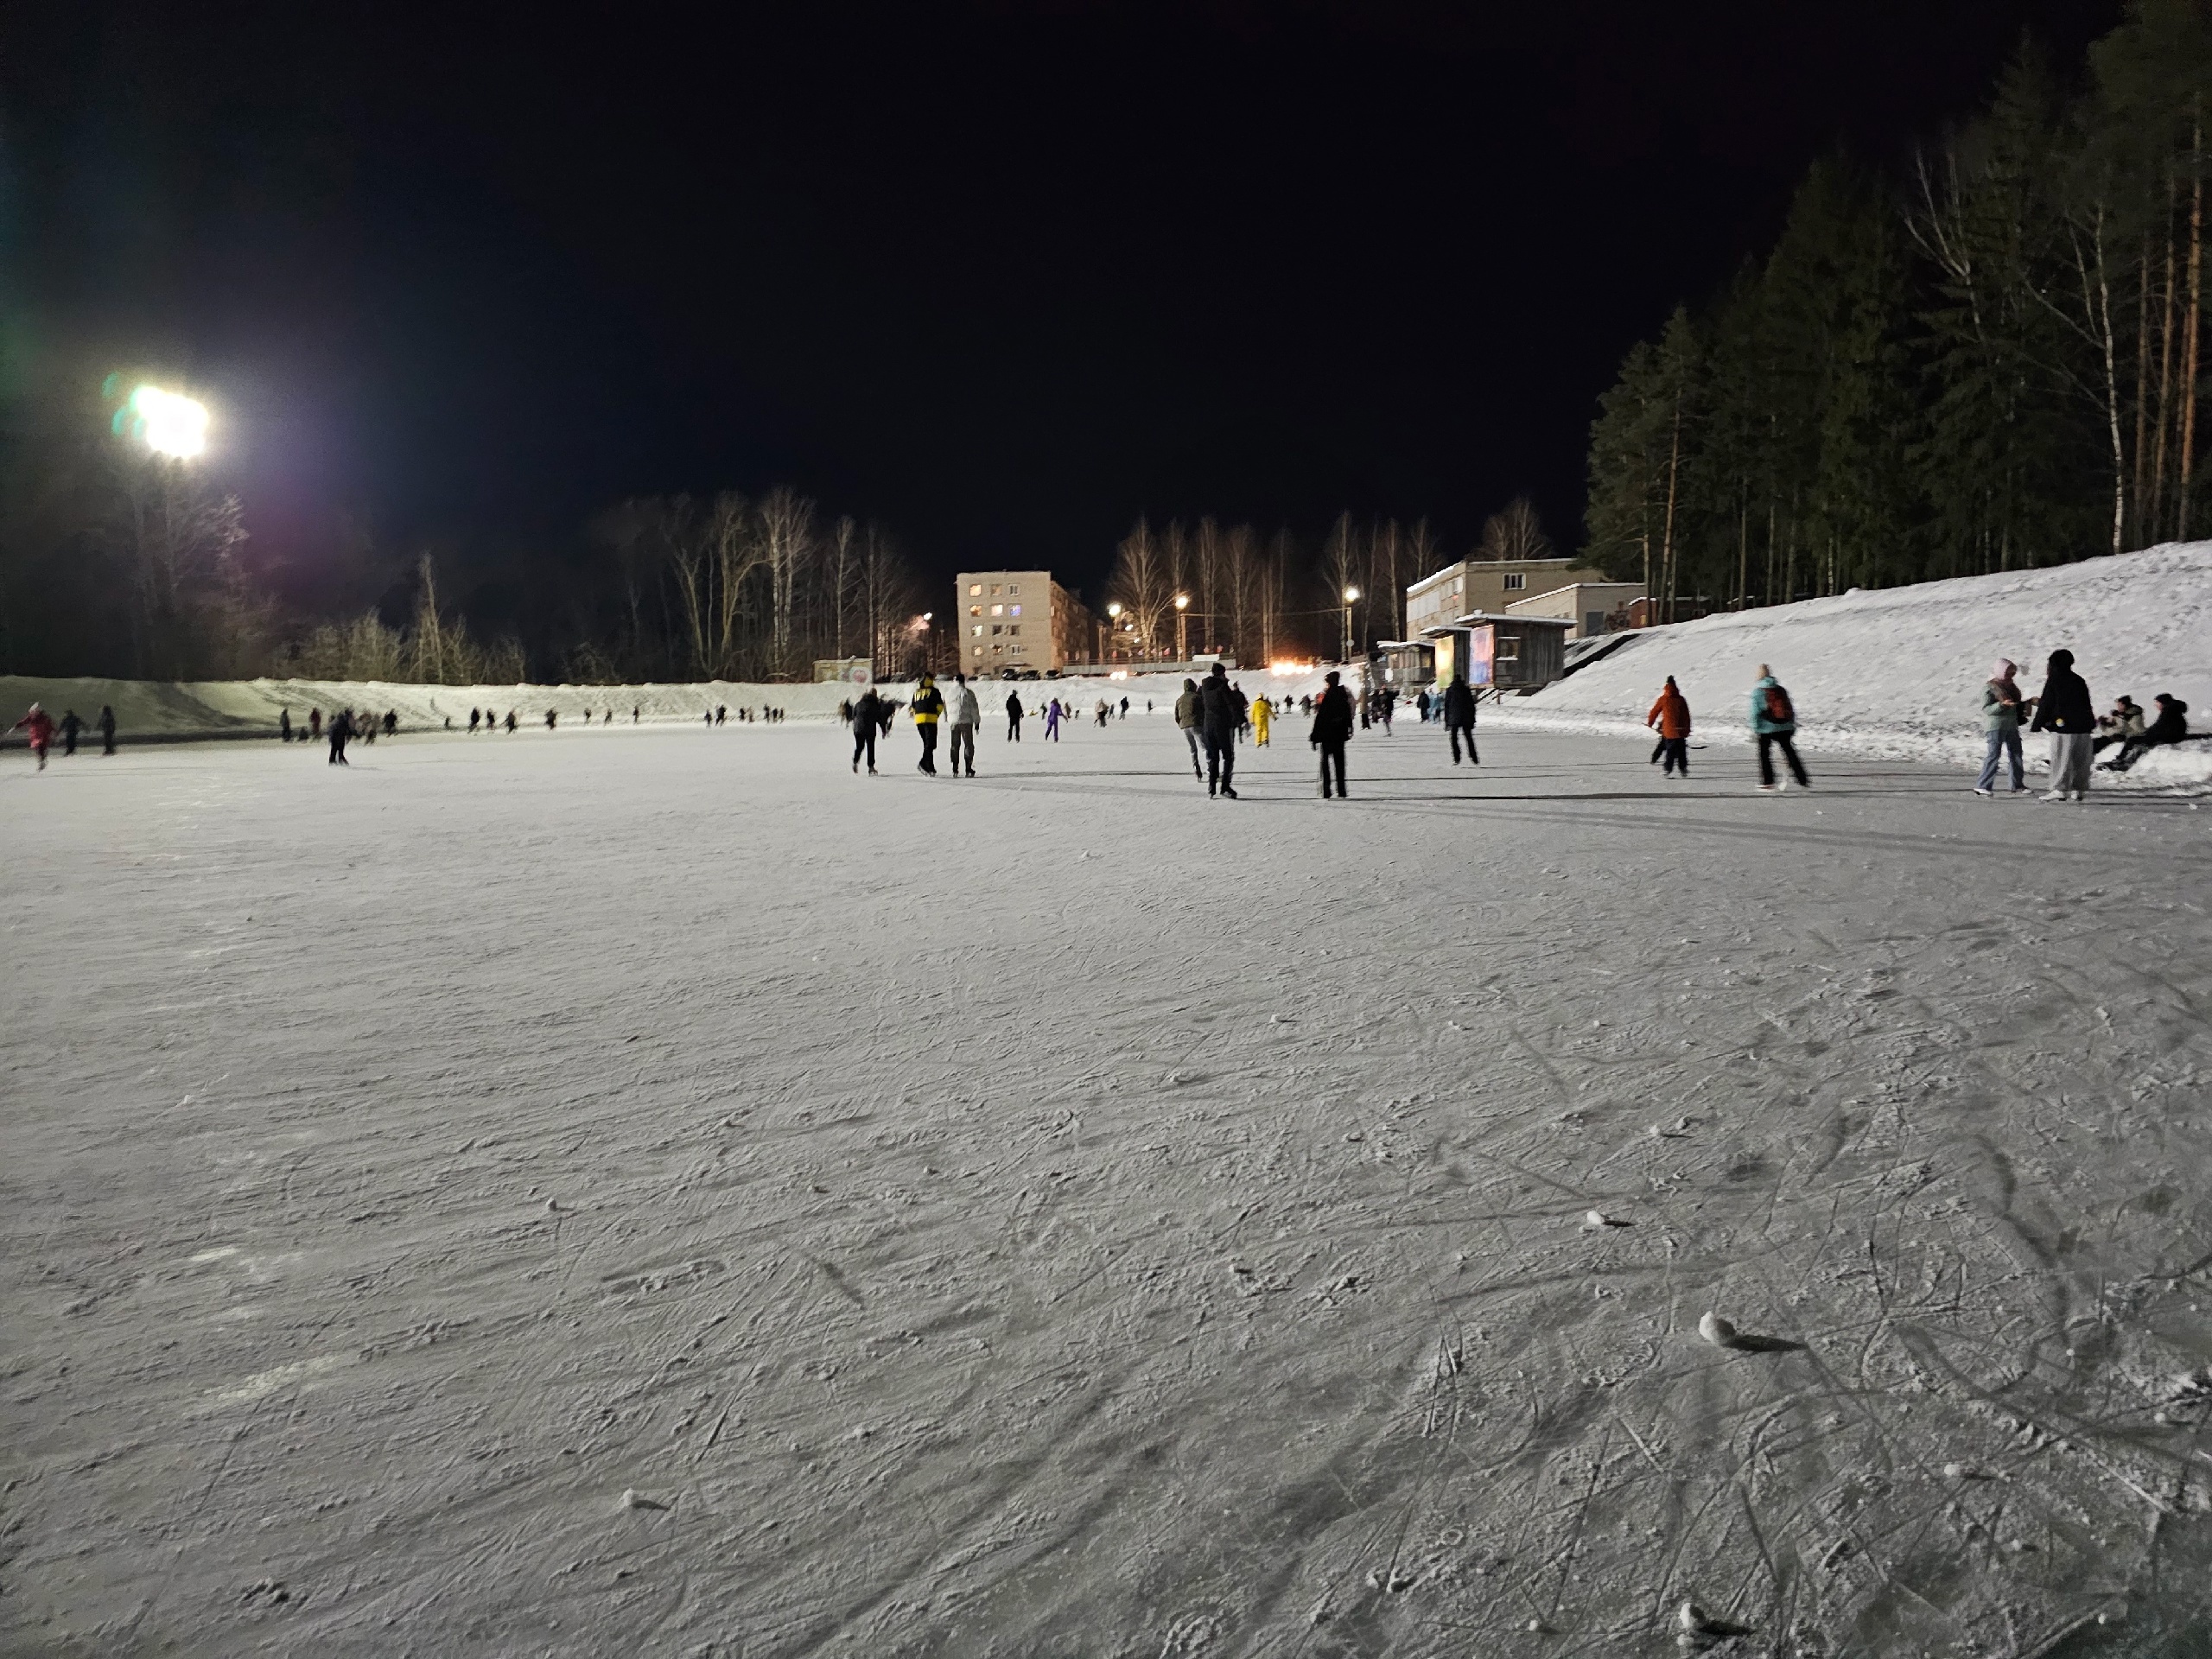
[
  {"x": 1774, "y": 723},
  {"x": 1221, "y": 710},
  {"x": 510, "y": 722},
  {"x": 1671, "y": 716},
  {"x": 2064, "y": 708},
  {"x": 2001, "y": 707},
  {"x": 1014, "y": 716},
  {"x": 38, "y": 726},
  {"x": 1332, "y": 731},
  {"x": 341, "y": 729},
  {"x": 1386, "y": 702},
  {"x": 1125, "y": 707},
  {"x": 868, "y": 721},
  {"x": 107, "y": 729},
  {"x": 1186, "y": 722},
  {"x": 926, "y": 709},
  {"x": 1420, "y": 704},
  {"x": 967, "y": 715},
  {"x": 1459, "y": 701},
  {"x": 1052, "y": 721},
  {"x": 1262, "y": 716},
  {"x": 2171, "y": 726},
  {"x": 70, "y": 727}
]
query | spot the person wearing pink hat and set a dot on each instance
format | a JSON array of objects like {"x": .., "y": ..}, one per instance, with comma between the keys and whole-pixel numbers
[{"x": 2001, "y": 709}]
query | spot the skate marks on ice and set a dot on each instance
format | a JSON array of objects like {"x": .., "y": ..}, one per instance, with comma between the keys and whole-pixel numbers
[{"x": 1226, "y": 1287}]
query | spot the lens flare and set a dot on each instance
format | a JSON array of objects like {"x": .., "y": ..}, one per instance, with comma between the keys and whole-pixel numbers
[{"x": 170, "y": 424}]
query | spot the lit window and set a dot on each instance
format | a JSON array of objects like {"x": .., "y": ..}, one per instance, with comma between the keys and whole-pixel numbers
[
  {"x": 1515, "y": 579},
  {"x": 998, "y": 610},
  {"x": 974, "y": 610},
  {"x": 979, "y": 628},
  {"x": 994, "y": 590},
  {"x": 1014, "y": 610},
  {"x": 974, "y": 590},
  {"x": 996, "y": 650}
]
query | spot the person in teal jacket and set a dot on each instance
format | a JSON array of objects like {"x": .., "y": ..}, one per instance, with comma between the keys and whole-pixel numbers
[
  {"x": 2002, "y": 706},
  {"x": 1774, "y": 723}
]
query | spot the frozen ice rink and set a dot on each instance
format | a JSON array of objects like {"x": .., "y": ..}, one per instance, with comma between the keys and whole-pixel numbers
[{"x": 651, "y": 1191}]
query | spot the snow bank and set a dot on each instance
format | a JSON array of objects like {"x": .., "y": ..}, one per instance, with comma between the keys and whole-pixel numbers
[{"x": 1898, "y": 672}]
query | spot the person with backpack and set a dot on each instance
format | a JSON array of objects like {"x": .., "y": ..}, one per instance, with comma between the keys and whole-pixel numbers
[
  {"x": 1458, "y": 702},
  {"x": 1671, "y": 716},
  {"x": 1187, "y": 720},
  {"x": 2001, "y": 709},
  {"x": 1221, "y": 711},
  {"x": 1774, "y": 723},
  {"x": 1332, "y": 731},
  {"x": 2065, "y": 708}
]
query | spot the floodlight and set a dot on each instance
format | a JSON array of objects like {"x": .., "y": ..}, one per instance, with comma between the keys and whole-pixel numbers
[{"x": 171, "y": 423}]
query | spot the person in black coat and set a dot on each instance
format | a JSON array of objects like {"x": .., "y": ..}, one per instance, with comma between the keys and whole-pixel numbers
[
  {"x": 1332, "y": 731},
  {"x": 2065, "y": 709},
  {"x": 869, "y": 719},
  {"x": 107, "y": 729},
  {"x": 1221, "y": 711},
  {"x": 341, "y": 732},
  {"x": 1014, "y": 716},
  {"x": 2171, "y": 726},
  {"x": 1460, "y": 716}
]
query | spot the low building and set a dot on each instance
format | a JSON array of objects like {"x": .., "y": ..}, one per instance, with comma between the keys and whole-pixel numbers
[
  {"x": 1487, "y": 585},
  {"x": 1501, "y": 652},
  {"x": 1594, "y": 607},
  {"x": 1019, "y": 619}
]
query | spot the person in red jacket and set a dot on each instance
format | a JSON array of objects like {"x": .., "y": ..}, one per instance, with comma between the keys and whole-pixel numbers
[
  {"x": 1671, "y": 714},
  {"x": 38, "y": 724}
]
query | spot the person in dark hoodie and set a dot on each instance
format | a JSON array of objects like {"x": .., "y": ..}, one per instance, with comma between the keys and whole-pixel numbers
[
  {"x": 867, "y": 720},
  {"x": 1332, "y": 731},
  {"x": 1459, "y": 701},
  {"x": 1221, "y": 711},
  {"x": 2065, "y": 709}
]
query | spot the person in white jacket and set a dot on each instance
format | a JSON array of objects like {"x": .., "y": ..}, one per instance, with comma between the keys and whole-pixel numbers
[{"x": 966, "y": 715}]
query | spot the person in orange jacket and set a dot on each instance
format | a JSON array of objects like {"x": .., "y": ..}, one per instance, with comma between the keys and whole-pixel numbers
[{"x": 1671, "y": 714}]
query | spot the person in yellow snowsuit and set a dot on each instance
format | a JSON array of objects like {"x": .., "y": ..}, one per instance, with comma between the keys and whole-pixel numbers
[{"x": 1262, "y": 711}]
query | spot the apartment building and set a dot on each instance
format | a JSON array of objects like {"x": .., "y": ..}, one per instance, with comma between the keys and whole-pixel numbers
[{"x": 1019, "y": 619}]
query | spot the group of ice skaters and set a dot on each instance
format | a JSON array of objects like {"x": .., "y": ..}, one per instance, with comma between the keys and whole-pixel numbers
[
  {"x": 41, "y": 728},
  {"x": 1213, "y": 715}
]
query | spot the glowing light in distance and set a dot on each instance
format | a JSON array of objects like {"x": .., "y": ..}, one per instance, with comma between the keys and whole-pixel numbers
[
  {"x": 1288, "y": 669},
  {"x": 1350, "y": 594},
  {"x": 171, "y": 424},
  {"x": 1182, "y": 601},
  {"x": 1113, "y": 609}
]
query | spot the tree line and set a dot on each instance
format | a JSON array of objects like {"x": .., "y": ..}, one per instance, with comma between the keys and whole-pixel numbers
[{"x": 1988, "y": 361}]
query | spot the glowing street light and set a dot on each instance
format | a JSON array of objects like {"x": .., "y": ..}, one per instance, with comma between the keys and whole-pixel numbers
[
  {"x": 167, "y": 422},
  {"x": 1350, "y": 594},
  {"x": 1182, "y": 628}
]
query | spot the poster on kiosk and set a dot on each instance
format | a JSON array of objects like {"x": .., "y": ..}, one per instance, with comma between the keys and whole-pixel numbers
[{"x": 1482, "y": 655}]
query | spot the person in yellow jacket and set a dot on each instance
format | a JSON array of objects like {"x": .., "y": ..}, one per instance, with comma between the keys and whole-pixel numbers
[
  {"x": 927, "y": 707},
  {"x": 1262, "y": 712}
]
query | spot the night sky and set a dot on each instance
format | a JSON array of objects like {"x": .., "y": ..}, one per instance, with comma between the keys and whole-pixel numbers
[{"x": 1003, "y": 275}]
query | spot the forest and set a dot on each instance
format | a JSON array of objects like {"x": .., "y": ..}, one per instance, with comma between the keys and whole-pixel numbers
[{"x": 1985, "y": 360}]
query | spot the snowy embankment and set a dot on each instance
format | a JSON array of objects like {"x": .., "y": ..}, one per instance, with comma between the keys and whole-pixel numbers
[{"x": 1898, "y": 672}]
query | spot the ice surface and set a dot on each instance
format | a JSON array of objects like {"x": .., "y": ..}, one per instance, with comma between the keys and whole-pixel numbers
[{"x": 654, "y": 1191}]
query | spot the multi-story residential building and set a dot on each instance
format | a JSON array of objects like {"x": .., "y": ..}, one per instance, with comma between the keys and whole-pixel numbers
[
  {"x": 1019, "y": 619},
  {"x": 1487, "y": 585}
]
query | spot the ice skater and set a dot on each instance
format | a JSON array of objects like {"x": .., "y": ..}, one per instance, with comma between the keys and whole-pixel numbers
[
  {"x": 927, "y": 707},
  {"x": 38, "y": 726},
  {"x": 107, "y": 729},
  {"x": 868, "y": 721},
  {"x": 2065, "y": 708},
  {"x": 1053, "y": 720},
  {"x": 1221, "y": 711},
  {"x": 1671, "y": 716},
  {"x": 341, "y": 729},
  {"x": 967, "y": 715},
  {"x": 1774, "y": 723},
  {"x": 1186, "y": 722},
  {"x": 1263, "y": 713},
  {"x": 1459, "y": 705},
  {"x": 70, "y": 727},
  {"x": 1014, "y": 716},
  {"x": 2001, "y": 709},
  {"x": 1332, "y": 731}
]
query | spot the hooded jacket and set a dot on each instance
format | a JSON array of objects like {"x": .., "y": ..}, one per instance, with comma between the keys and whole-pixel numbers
[
  {"x": 2065, "y": 706},
  {"x": 1671, "y": 714},
  {"x": 966, "y": 711},
  {"x": 1762, "y": 722},
  {"x": 1331, "y": 716},
  {"x": 2172, "y": 723},
  {"x": 867, "y": 712},
  {"x": 928, "y": 703},
  {"x": 1186, "y": 707},
  {"x": 2000, "y": 704},
  {"x": 1220, "y": 707}
]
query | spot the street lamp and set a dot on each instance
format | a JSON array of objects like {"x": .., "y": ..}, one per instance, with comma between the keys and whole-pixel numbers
[
  {"x": 1350, "y": 594},
  {"x": 1182, "y": 628},
  {"x": 167, "y": 422},
  {"x": 1113, "y": 626}
]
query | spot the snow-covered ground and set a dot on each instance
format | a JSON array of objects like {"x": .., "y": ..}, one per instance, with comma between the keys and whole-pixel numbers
[
  {"x": 651, "y": 1190},
  {"x": 1898, "y": 672}
]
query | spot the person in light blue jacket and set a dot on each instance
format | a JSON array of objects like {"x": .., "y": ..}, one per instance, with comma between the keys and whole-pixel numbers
[
  {"x": 1774, "y": 723},
  {"x": 2001, "y": 709}
]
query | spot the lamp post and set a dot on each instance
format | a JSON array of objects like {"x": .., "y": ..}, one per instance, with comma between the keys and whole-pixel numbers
[
  {"x": 1182, "y": 628},
  {"x": 1350, "y": 594},
  {"x": 1114, "y": 621}
]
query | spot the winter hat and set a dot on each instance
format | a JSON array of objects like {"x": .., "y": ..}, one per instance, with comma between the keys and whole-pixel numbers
[
  {"x": 2005, "y": 667},
  {"x": 2061, "y": 658}
]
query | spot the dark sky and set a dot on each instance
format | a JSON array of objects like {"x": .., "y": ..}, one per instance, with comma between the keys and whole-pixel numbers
[{"x": 1001, "y": 275}]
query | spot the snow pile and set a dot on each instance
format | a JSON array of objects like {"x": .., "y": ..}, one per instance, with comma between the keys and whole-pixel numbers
[{"x": 1898, "y": 672}]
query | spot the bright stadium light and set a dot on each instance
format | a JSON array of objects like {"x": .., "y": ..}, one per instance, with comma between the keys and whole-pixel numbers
[{"x": 171, "y": 423}]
